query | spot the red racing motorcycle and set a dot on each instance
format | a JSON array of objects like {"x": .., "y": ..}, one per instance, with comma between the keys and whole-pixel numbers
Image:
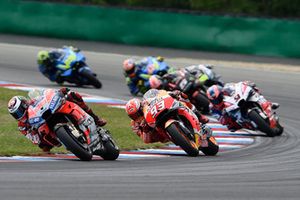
[
  {"x": 173, "y": 120},
  {"x": 60, "y": 121}
]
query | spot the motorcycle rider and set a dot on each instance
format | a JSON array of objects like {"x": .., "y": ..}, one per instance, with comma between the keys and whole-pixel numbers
[
  {"x": 216, "y": 95},
  {"x": 134, "y": 109},
  {"x": 18, "y": 106},
  {"x": 49, "y": 65},
  {"x": 138, "y": 72},
  {"x": 204, "y": 76}
]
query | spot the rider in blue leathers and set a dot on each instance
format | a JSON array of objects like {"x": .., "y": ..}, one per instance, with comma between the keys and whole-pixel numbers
[
  {"x": 53, "y": 63},
  {"x": 137, "y": 73}
]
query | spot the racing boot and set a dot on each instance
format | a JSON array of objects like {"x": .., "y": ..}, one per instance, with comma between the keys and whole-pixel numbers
[
  {"x": 76, "y": 98},
  {"x": 98, "y": 121}
]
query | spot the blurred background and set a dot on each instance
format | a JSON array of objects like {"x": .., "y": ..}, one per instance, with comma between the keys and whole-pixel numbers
[{"x": 257, "y": 27}]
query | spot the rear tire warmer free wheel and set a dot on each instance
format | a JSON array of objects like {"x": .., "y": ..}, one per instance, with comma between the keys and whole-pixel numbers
[
  {"x": 71, "y": 143},
  {"x": 180, "y": 139}
]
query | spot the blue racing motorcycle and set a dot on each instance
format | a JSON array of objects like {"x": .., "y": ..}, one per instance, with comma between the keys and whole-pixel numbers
[{"x": 75, "y": 69}]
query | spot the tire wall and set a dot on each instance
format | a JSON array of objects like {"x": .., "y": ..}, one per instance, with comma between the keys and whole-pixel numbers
[{"x": 271, "y": 37}]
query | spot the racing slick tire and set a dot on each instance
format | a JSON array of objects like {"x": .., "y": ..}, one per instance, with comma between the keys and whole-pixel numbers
[
  {"x": 261, "y": 123},
  {"x": 179, "y": 138},
  {"x": 92, "y": 79},
  {"x": 111, "y": 150},
  {"x": 212, "y": 149},
  {"x": 202, "y": 103},
  {"x": 81, "y": 150}
]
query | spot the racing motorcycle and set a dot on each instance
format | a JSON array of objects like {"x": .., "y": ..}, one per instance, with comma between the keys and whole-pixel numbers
[
  {"x": 77, "y": 71},
  {"x": 188, "y": 83},
  {"x": 173, "y": 120},
  {"x": 158, "y": 67},
  {"x": 250, "y": 111},
  {"x": 153, "y": 67},
  {"x": 60, "y": 121}
]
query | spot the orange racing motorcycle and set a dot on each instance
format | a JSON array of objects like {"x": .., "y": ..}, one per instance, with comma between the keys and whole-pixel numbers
[
  {"x": 173, "y": 120},
  {"x": 60, "y": 121}
]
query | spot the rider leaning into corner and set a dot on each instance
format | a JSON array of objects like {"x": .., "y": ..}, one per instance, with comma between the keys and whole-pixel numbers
[
  {"x": 134, "y": 109},
  {"x": 50, "y": 65},
  {"x": 216, "y": 95},
  {"x": 138, "y": 72},
  {"x": 203, "y": 73},
  {"x": 18, "y": 108}
]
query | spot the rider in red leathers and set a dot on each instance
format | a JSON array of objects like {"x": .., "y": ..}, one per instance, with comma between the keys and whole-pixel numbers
[
  {"x": 134, "y": 109},
  {"x": 18, "y": 105},
  {"x": 216, "y": 95}
]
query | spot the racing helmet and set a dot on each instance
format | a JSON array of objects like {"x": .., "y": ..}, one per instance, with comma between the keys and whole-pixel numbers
[
  {"x": 155, "y": 82},
  {"x": 17, "y": 107},
  {"x": 134, "y": 108},
  {"x": 215, "y": 95},
  {"x": 43, "y": 57},
  {"x": 129, "y": 66}
]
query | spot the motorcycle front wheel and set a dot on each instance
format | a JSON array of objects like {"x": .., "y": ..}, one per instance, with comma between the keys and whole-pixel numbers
[
  {"x": 261, "y": 123},
  {"x": 81, "y": 150},
  {"x": 179, "y": 138}
]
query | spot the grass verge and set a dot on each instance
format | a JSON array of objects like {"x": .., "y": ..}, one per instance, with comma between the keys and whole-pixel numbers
[{"x": 12, "y": 142}]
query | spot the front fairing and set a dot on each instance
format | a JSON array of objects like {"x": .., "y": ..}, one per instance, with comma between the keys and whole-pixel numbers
[
  {"x": 154, "y": 106},
  {"x": 233, "y": 110},
  {"x": 69, "y": 58},
  {"x": 48, "y": 103}
]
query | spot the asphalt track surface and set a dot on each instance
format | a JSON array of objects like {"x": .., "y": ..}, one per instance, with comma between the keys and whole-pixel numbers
[{"x": 268, "y": 170}]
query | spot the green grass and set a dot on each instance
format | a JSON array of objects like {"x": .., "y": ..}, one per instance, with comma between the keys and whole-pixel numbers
[{"x": 12, "y": 142}]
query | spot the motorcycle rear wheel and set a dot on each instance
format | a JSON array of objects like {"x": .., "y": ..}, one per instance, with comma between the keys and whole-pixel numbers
[
  {"x": 212, "y": 149},
  {"x": 202, "y": 103},
  {"x": 179, "y": 138},
  {"x": 111, "y": 151},
  {"x": 92, "y": 79},
  {"x": 72, "y": 144}
]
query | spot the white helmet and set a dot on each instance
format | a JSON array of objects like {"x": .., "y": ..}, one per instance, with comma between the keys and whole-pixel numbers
[{"x": 17, "y": 107}]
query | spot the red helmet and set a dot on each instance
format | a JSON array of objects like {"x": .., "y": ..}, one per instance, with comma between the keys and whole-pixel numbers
[
  {"x": 155, "y": 82},
  {"x": 134, "y": 108},
  {"x": 17, "y": 107},
  {"x": 215, "y": 95},
  {"x": 129, "y": 66}
]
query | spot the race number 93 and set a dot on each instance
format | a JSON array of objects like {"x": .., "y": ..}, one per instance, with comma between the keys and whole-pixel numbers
[{"x": 156, "y": 108}]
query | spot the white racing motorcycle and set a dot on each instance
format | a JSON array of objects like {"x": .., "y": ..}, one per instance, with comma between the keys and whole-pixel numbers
[{"x": 250, "y": 110}]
